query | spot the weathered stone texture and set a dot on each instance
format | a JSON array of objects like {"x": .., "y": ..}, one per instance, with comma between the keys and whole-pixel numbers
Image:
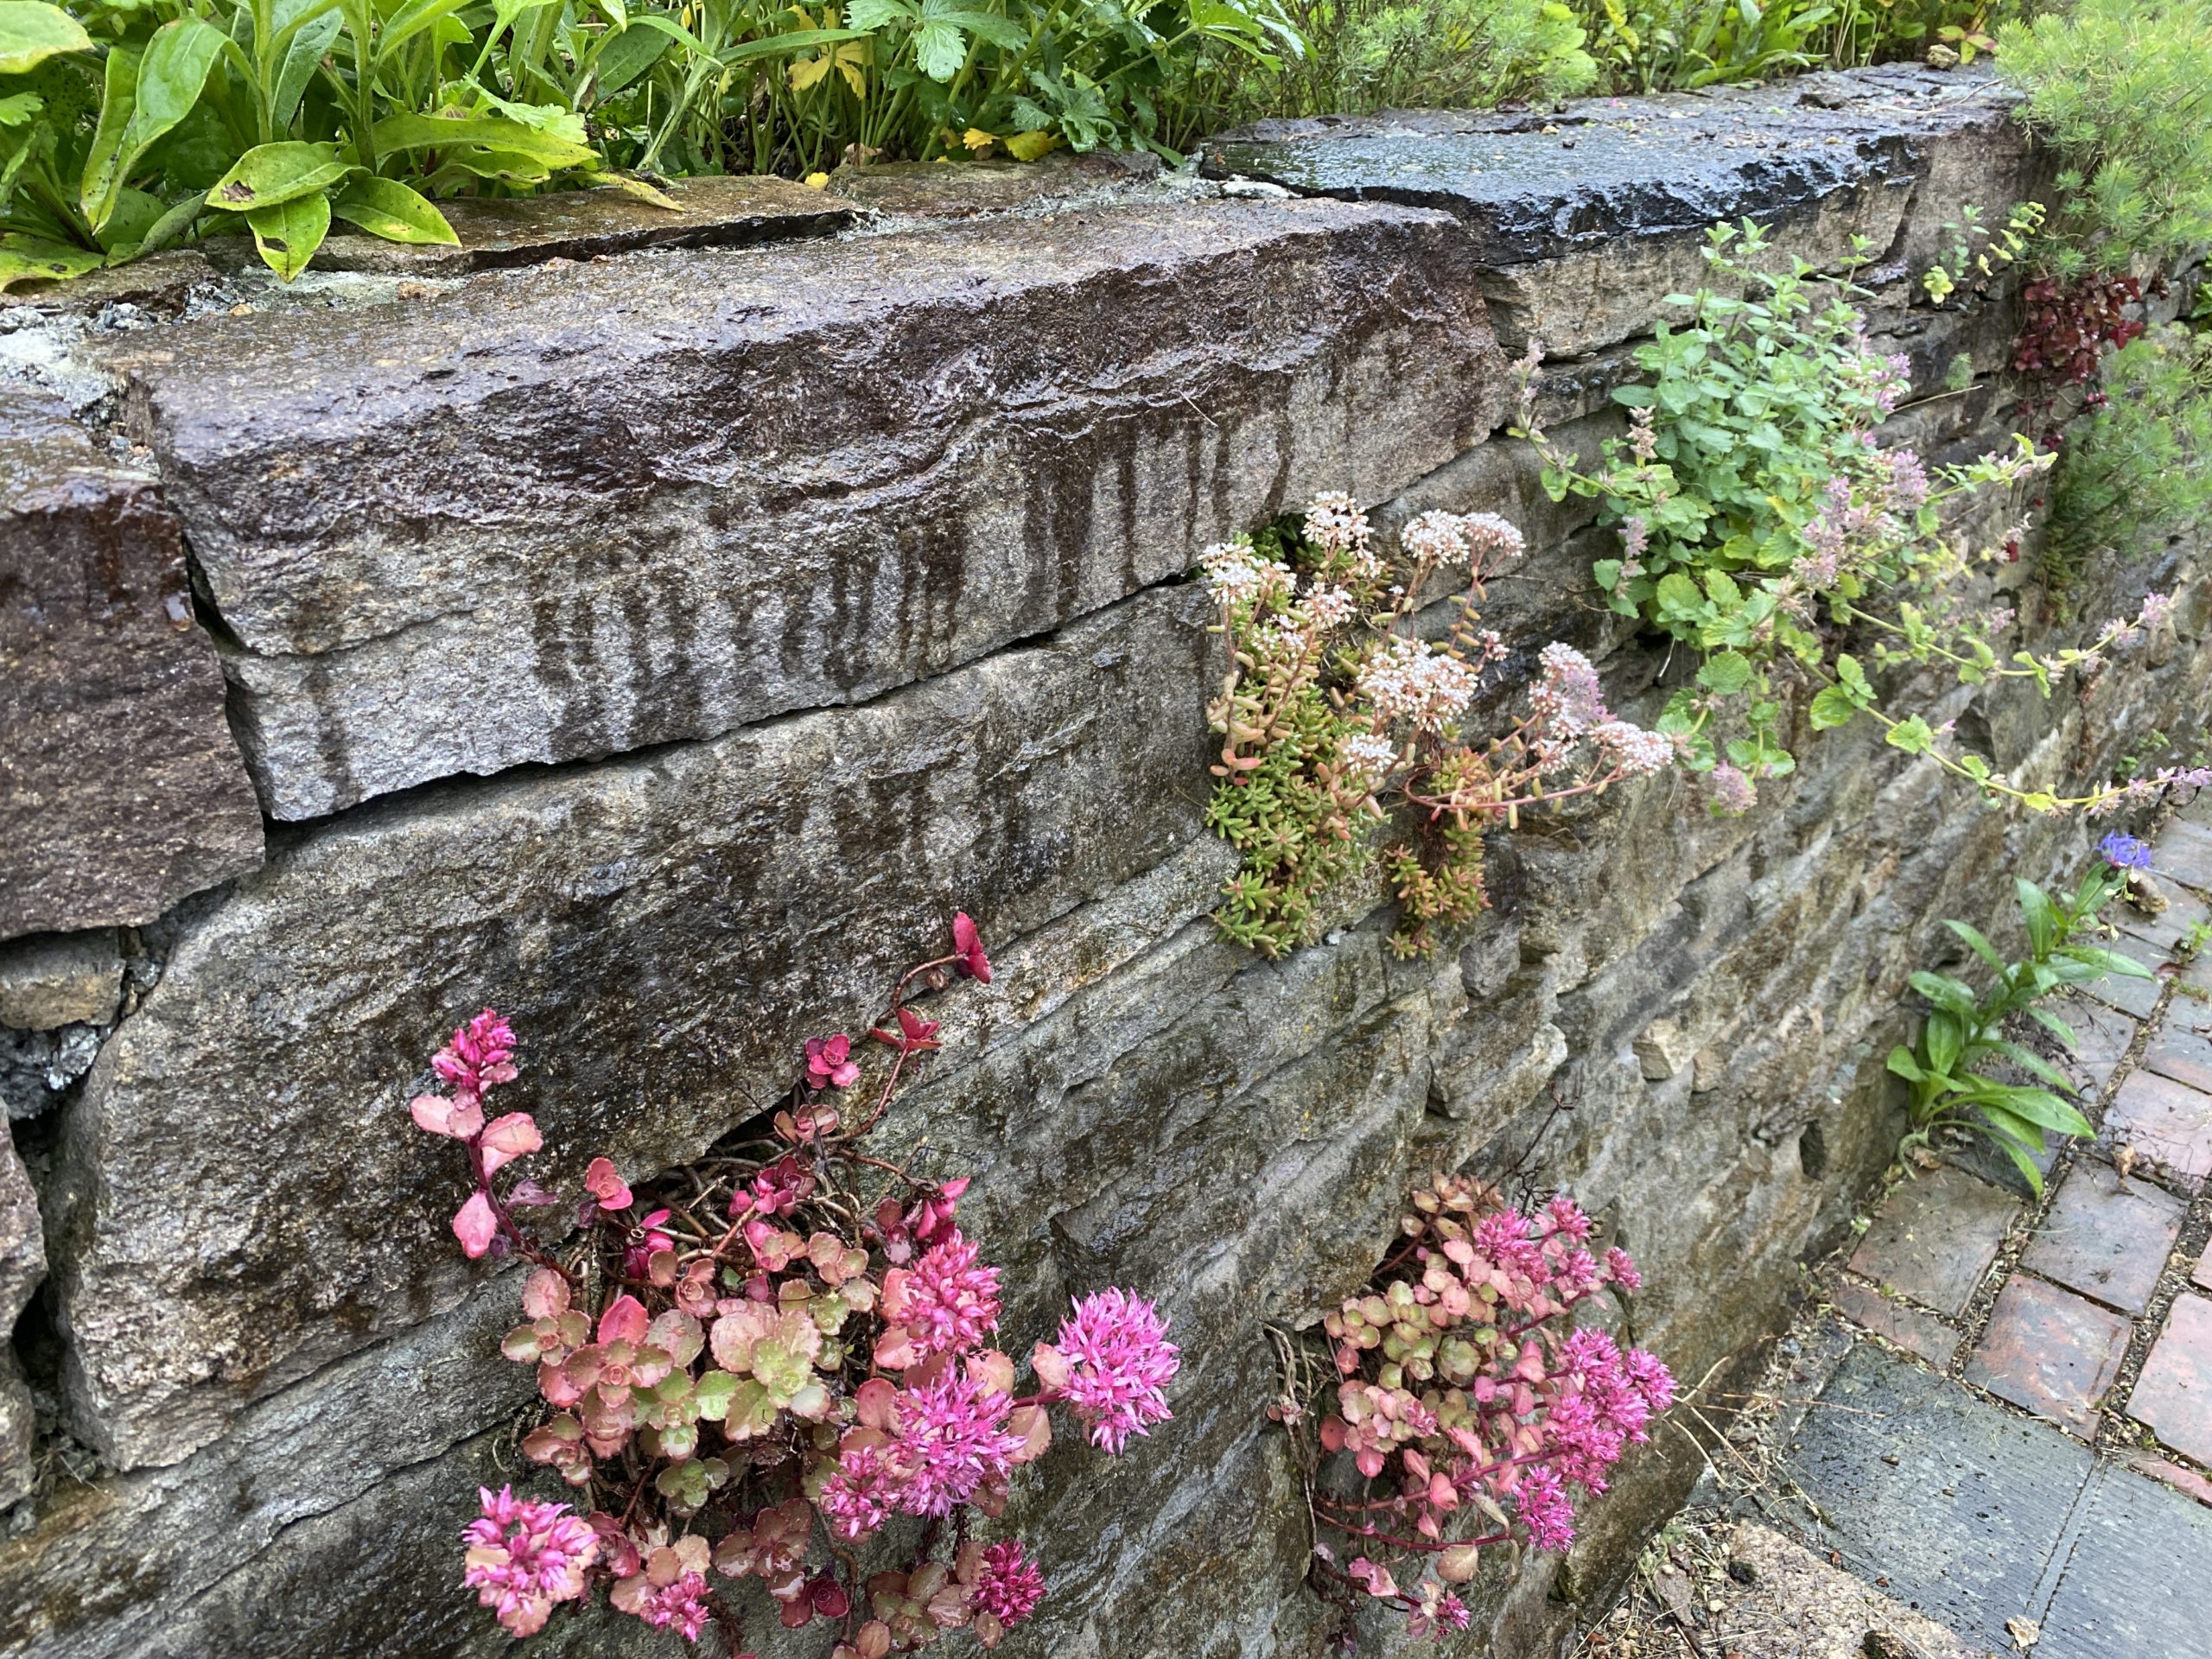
[
  {"x": 263, "y": 1319},
  {"x": 1587, "y": 220},
  {"x": 22, "y": 1265},
  {"x": 61, "y": 979},
  {"x": 547, "y": 517},
  {"x": 120, "y": 787},
  {"x": 662, "y": 930}
]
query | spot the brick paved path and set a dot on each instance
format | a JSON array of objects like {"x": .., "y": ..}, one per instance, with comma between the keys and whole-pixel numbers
[{"x": 2046, "y": 1475}]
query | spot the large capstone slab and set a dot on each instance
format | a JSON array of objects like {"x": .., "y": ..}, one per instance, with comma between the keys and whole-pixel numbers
[
  {"x": 1585, "y": 220},
  {"x": 120, "y": 788},
  {"x": 249, "y": 1198},
  {"x": 549, "y": 517}
]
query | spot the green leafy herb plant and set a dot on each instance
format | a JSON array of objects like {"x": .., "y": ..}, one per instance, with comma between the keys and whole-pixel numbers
[{"x": 1760, "y": 521}]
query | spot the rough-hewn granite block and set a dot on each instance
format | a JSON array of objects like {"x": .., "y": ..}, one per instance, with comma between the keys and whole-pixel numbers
[
  {"x": 120, "y": 787},
  {"x": 22, "y": 1265},
  {"x": 664, "y": 931},
  {"x": 569, "y": 512},
  {"x": 1585, "y": 220}
]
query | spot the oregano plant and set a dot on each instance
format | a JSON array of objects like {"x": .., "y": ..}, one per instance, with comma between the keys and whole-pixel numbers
[
  {"x": 773, "y": 1363},
  {"x": 1764, "y": 524}
]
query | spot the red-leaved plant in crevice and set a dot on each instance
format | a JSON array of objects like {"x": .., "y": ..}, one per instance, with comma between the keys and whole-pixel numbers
[
  {"x": 754, "y": 1364},
  {"x": 1471, "y": 1408}
]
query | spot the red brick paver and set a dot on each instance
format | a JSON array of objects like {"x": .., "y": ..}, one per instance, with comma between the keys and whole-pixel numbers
[
  {"x": 2101, "y": 1035},
  {"x": 1913, "y": 1329},
  {"x": 2050, "y": 1351},
  {"x": 2180, "y": 1052},
  {"x": 2176, "y": 1476},
  {"x": 2107, "y": 1238},
  {"x": 2174, "y": 1393},
  {"x": 1935, "y": 1238},
  {"x": 2163, "y": 1119}
]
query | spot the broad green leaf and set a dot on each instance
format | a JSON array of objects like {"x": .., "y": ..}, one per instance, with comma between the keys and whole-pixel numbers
[
  {"x": 2109, "y": 962},
  {"x": 170, "y": 77},
  {"x": 1726, "y": 672},
  {"x": 2031, "y": 1062},
  {"x": 289, "y": 233},
  {"x": 104, "y": 163},
  {"x": 622, "y": 58},
  {"x": 1678, "y": 595},
  {"x": 506, "y": 166},
  {"x": 1832, "y": 707},
  {"x": 310, "y": 41},
  {"x": 1848, "y": 670},
  {"x": 939, "y": 49},
  {"x": 269, "y": 175},
  {"x": 1945, "y": 993},
  {"x": 1945, "y": 1037},
  {"x": 1903, "y": 1063},
  {"x": 984, "y": 25},
  {"x": 2037, "y": 1106},
  {"x": 31, "y": 32},
  {"x": 31, "y": 259},
  {"x": 2057, "y": 1028},
  {"x": 387, "y": 208},
  {"x": 1912, "y": 735},
  {"x": 446, "y": 133},
  {"x": 2018, "y": 1151}
]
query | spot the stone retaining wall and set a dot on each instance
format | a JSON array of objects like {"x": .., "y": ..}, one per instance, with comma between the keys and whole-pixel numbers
[{"x": 658, "y": 643}]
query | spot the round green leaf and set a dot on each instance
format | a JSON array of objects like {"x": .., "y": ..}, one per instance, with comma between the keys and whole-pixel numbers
[
  {"x": 269, "y": 175},
  {"x": 31, "y": 32}
]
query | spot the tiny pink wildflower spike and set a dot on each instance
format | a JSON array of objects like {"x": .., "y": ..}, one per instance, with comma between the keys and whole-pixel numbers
[
  {"x": 1119, "y": 1363},
  {"x": 830, "y": 1064},
  {"x": 524, "y": 1556},
  {"x": 968, "y": 949},
  {"x": 479, "y": 1056},
  {"x": 952, "y": 1440},
  {"x": 1009, "y": 1587},
  {"x": 947, "y": 1302}
]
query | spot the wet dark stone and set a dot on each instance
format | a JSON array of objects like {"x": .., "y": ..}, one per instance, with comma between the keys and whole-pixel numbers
[
  {"x": 964, "y": 190},
  {"x": 121, "y": 790},
  {"x": 1643, "y": 180},
  {"x": 564, "y": 513}
]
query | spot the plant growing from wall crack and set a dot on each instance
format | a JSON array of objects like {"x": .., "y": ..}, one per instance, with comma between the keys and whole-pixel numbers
[
  {"x": 1966, "y": 1032},
  {"x": 1469, "y": 1406},
  {"x": 1760, "y": 520},
  {"x": 1341, "y": 727},
  {"x": 767, "y": 1363}
]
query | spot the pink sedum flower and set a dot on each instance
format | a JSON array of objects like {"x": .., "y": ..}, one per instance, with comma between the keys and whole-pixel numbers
[
  {"x": 1545, "y": 1509},
  {"x": 681, "y": 1606},
  {"x": 860, "y": 1494},
  {"x": 950, "y": 1300},
  {"x": 1119, "y": 1363},
  {"x": 1009, "y": 1587},
  {"x": 952, "y": 1439},
  {"x": 480, "y": 1057},
  {"x": 524, "y": 1556}
]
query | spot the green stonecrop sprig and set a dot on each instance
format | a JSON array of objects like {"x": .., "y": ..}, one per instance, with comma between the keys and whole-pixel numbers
[
  {"x": 1966, "y": 1034},
  {"x": 1761, "y": 522},
  {"x": 1342, "y": 744}
]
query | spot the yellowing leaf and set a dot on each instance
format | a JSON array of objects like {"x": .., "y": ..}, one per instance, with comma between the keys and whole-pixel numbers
[
  {"x": 978, "y": 142},
  {"x": 1028, "y": 146},
  {"x": 817, "y": 181},
  {"x": 32, "y": 31}
]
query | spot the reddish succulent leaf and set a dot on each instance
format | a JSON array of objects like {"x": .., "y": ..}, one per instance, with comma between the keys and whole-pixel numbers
[
  {"x": 441, "y": 1115},
  {"x": 544, "y": 1294},
  {"x": 604, "y": 1183},
  {"x": 625, "y": 1320},
  {"x": 509, "y": 1138},
  {"x": 475, "y": 1225}
]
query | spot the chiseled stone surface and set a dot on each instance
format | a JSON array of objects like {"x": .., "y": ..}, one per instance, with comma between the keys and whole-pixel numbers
[
  {"x": 663, "y": 930},
  {"x": 120, "y": 788},
  {"x": 1585, "y": 220},
  {"x": 559, "y": 514},
  {"x": 60, "y": 979},
  {"x": 22, "y": 1265}
]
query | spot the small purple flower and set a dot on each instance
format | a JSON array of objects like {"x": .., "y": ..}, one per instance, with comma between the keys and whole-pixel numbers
[{"x": 2125, "y": 853}]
